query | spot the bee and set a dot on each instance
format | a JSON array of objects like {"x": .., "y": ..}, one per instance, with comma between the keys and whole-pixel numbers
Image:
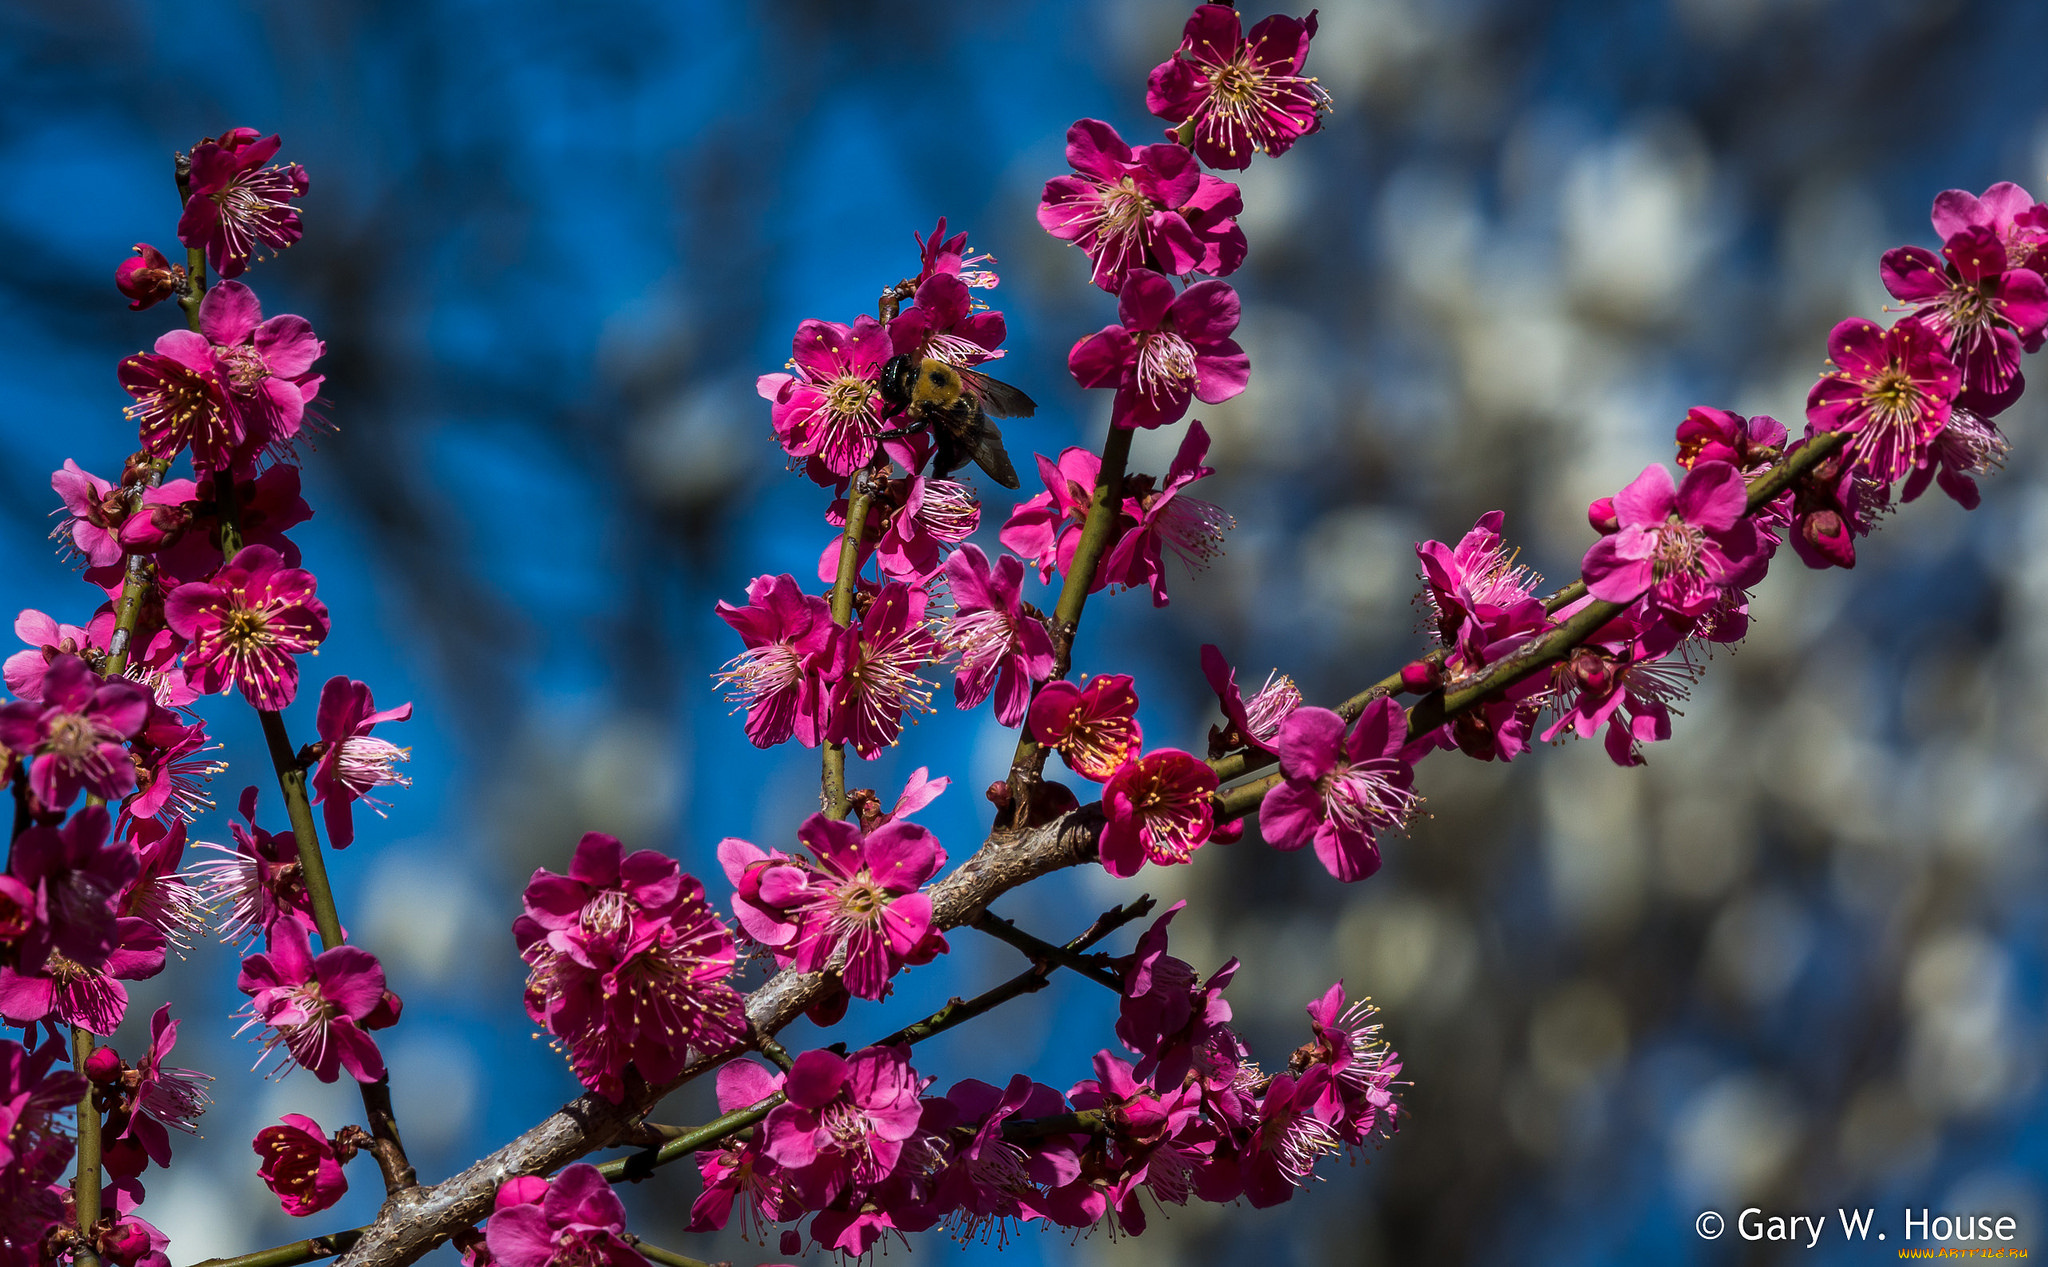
[{"x": 955, "y": 403}]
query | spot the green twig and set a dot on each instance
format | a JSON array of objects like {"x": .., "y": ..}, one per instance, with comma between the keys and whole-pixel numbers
[
  {"x": 85, "y": 1185},
  {"x": 858, "y": 495},
  {"x": 312, "y": 1249},
  {"x": 669, "y": 1257}
]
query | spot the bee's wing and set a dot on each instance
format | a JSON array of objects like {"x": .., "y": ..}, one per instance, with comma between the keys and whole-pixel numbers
[
  {"x": 985, "y": 444},
  {"x": 997, "y": 398}
]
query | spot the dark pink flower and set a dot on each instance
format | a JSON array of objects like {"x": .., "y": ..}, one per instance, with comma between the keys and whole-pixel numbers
[
  {"x": 944, "y": 322},
  {"x": 1167, "y": 1011},
  {"x": 1476, "y": 592},
  {"x": 77, "y": 733},
  {"x": 987, "y": 1179},
  {"x": 1166, "y": 517},
  {"x": 1969, "y": 445},
  {"x": 62, "y": 991},
  {"x": 159, "y": 894},
  {"x": 2008, "y": 211},
  {"x": 1159, "y": 810},
  {"x": 1002, "y": 647},
  {"x": 300, "y": 1165},
  {"x": 910, "y": 528},
  {"x": 152, "y": 1098},
  {"x": 236, "y": 203},
  {"x": 147, "y": 278},
  {"x": 47, "y": 641},
  {"x": 1835, "y": 502},
  {"x": 258, "y": 882},
  {"x": 1249, "y": 723},
  {"x": 321, "y": 1008},
  {"x": 180, "y": 521},
  {"x": 579, "y": 1223},
  {"x": 1984, "y": 310},
  {"x": 1144, "y": 208},
  {"x": 1294, "y": 1133},
  {"x": 265, "y": 367},
  {"x": 738, "y": 1173},
  {"x": 96, "y": 509},
  {"x": 786, "y": 633},
  {"x": 861, "y": 894},
  {"x": 829, "y": 408},
  {"x": 939, "y": 254},
  {"x": 1684, "y": 545},
  {"x": 77, "y": 877},
  {"x": 1341, "y": 789},
  {"x": 845, "y": 1121},
  {"x": 180, "y": 405},
  {"x": 1167, "y": 350},
  {"x": 1362, "y": 1067},
  {"x": 172, "y": 768},
  {"x": 1892, "y": 388},
  {"x": 35, "y": 1145},
  {"x": 1093, "y": 726},
  {"x": 629, "y": 965},
  {"x": 1046, "y": 529},
  {"x": 247, "y": 624},
  {"x": 1750, "y": 445},
  {"x": 1245, "y": 96},
  {"x": 355, "y": 762},
  {"x": 1625, "y": 677},
  {"x": 871, "y": 668}
]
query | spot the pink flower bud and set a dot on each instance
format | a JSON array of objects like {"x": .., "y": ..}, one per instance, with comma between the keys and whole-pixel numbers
[
  {"x": 148, "y": 278},
  {"x": 104, "y": 1065},
  {"x": 125, "y": 1243},
  {"x": 1830, "y": 537},
  {"x": 1421, "y": 676},
  {"x": 1601, "y": 515}
]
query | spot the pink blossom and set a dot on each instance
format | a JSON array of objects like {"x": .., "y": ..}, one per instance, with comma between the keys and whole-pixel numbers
[
  {"x": 738, "y": 1173},
  {"x": 1167, "y": 1011},
  {"x": 159, "y": 894},
  {"x": 1477, "y": 594},
  {"x": 1159, "y": 810},
  {"x": 1681, "y": 544},
  {"x": 1340, "y": 789},
  {"x": 1750, "y": 445},
  {"x": 320, "y": 1009},
  {"x": 172, "y": 768},
  {"x": 861, "y": 894},
  {"x": 579, "y": 1223},
  {"x": 1294, "y": 1133},
  {"x": 787, "y": 634},
  {"x": 1046, "y": 529},
  {"x": 1244, "y": 95},
  {"x": 1002, "y": 647},
  {"x": 944, "y": 322},
  {"x": 96, "y": 509},
  {"x": 987, "y": 1179},
  {"x": 1347, "y": 1042},
  {"x": 629, "y": 965},
  {"x": 1166, "y": 350},
  {"x": 62, "y": 991},
  {"x": 150, "y": 1099},
  {"x": 1166, "y": 517},
  {"x": 1248, "y": 723},
  {"x": 265, "y": 367},
  {"x": 1984, "y": 310},
  {"x": 247, "y": 624},
  {"x": 78, "y": 733},
  {"x": 871, "y": 669},
  {"x": 912, "y": 525},
  {"x": 829, "y": 408},
  {"x": 1969, "y": 445},
  {"x": 1835, "y": 502},
  {"x": 76, "y": 876},
  {"x": 147, "y": 278},
  {"x": 35, "y": 1144},
  {"x": 1891, "y": 388},
  {"x": 180, "y": 521},
  {"x": 2008, "y": 211},
  {"x": 180, "y": 405},
  {"x": 1624, "y": 678},
  {"x": 1144, "y": 208},
  {"x": 300, "y": 1165},
  {"x": 939, "y": 254},
  {"x": 47, "y": 640},
  {"x": 354, "y": 762},
  {"x": 845, "y": 1121},
  {"x": 1093, "y": 726},
  {"x": 236, "y": 203},
  {"x": 258, "y": 882}
]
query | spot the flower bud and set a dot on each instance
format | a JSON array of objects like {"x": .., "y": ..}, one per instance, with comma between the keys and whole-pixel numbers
[
  {"x": 1601, "y": 515},
  {"x": 148, "y": 278},
  {"x": 1421, "y": 677},
  {"x": 104, "y": 1065},
  {"x": 125, "y": 1242},
  {"x": 1829, "y": 535}
]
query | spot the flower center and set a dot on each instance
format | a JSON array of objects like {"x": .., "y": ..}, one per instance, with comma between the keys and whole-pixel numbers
[
  {"x": 367, "y": 762},
  {"x": 847, "y": 396},
  {"x": 244, "y": 366},
  {"x": 1678, "y": 549},
  {"x": 1893, "y": 397},
  {"x": 1166, "y": 364},
  {"x": 861, "y": 900},
  {"x": 247, "y": 628},
  {"x": 74, "y": 737}
]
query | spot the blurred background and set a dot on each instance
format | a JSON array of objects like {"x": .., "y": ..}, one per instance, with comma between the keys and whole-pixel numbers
[{"x": 1796, "y": 962}]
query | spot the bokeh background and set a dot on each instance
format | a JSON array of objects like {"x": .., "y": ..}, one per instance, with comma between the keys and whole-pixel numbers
[{"x": 1796, "y": 962}]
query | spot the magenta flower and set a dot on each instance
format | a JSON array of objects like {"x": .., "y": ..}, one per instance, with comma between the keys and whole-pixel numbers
[
  {"x": 173, "y": 765},
  {"x": 579, "y": 1223},
  {"x": 265, "y": 367},
  {"x": 147, "y": 278},
  {"x": 300, "y": 1165},
  {"x": 180, "y": 521},
  {"x": 62, "y": 991},
  {"x": 1835, "y": 502},
  {"x": 96, "y": 509},
  {"x": 871, "y": 668},
  {"x": 1362, "y": 1067},
  {"x": 159, "y": 894},
  {"x": 152, "y": 1098},
  {"x": 845, "y": 1121},
  {"x": 629, "y": 965},
  {"x": 1144, "y": 208},
  {"x": 1340, "y": 789},
  {"x": 1168, "y": 349},
  {"x": 1167, "y": 1010},
  {"x": 1715, "y": 435},
  {"x": 47, "y": 641},
  {"x": 1250, "y": 723},
  {"x": 738, "y": 1173},
  {"x": 1166, "y": 517},
  {"x": 1294, "y": 1133},
  {"x": 931, "y": 518},
  {"x": 1683, "y": 545},
  {"x": 246, "y": 625},
  {"x": 2019, "y": 224},
  {"x": 180, "y": 405},
  {"x": 1244, "y": 96},
  {"x": 258, "y": 882},
  {"x": 1969, "y": 445},
  {"x": 786, "y": 633},
  {"x": 1892, "y": 388},
  {"x": 1093, "y": 726},
  {"x": 945, "y": 323},
  {"x": 1046, "y": 529},
  {"x": 35, "y": 1144},
  {"x": 1159, "y": 810},
  {"x": 1476, "y": 593},
  {"x": 237, "y": 204},
  {"x": 1624, "y": 678},
  {"x": 1984, "y": 310},
  {"x": 354, "y": 762},
  {"x": 987, "y": 1179},
  {"x": 320, "y": 1009},
  {"x": 76, "y": 876},
  {"x": 78, "y": 733},
  {"x": 829, "y": 409},
  {"x": 862, "y": 894},
  {"x": 1002, "y": 647}
]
